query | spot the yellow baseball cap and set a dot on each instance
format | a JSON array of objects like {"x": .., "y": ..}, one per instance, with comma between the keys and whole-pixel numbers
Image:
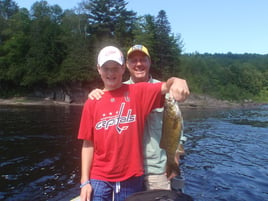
[{"x": 140, "y": 48}]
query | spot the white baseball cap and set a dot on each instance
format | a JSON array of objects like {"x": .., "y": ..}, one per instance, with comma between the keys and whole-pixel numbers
[{"x": 110, "y": 53}]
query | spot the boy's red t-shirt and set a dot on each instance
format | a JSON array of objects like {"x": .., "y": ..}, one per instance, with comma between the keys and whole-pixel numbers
[{"x": 115, "y": 124}]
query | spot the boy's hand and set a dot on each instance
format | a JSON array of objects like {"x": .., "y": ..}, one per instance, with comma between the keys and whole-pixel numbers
[{"x": 179, "y": 90}]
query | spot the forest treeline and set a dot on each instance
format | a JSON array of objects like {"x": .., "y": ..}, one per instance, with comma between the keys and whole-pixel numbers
[{"x": 47, "y": 47}]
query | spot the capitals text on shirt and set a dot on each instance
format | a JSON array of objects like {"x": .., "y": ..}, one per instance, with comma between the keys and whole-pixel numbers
[{"x": 117, "y": 120}]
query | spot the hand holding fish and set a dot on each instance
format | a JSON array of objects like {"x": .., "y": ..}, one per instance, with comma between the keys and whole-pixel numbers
[{"x": 177, "y": 88}]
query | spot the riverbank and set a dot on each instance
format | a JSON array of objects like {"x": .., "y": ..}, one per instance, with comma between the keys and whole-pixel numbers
[
  {"x": 193, "y": 101},
  {"x": 30, "y": 101}
]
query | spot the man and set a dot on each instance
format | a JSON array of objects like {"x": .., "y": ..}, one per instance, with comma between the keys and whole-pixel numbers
[{"x": 138, "y": 64}]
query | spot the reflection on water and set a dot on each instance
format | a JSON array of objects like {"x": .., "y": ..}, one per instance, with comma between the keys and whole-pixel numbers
[
  {"x": 40, "y": 155},
  {"x": 226, "y": 153}
]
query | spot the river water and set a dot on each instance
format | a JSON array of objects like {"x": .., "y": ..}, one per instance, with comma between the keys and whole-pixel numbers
[{"x": 226, "y": 153}]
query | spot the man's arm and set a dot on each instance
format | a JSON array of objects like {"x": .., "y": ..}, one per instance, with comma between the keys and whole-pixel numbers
[
  {"x": 86, "y": 160},
  {"x": 177, "y": 88},
  {"x": 95, "y": 94}
]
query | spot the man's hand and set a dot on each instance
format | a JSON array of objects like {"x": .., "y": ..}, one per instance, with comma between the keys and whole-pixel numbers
[{"x": 95, "y": 94}]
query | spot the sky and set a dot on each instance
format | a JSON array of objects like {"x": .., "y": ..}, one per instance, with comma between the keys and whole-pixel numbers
[{"x": 205, "y": 26}]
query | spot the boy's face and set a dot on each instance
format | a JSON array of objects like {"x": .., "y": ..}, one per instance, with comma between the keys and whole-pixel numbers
[{"x": 111, "y": 74}]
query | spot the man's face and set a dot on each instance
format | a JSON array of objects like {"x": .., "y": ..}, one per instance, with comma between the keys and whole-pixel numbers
[
  {"x": 138, "y": 65},
  {"x": 111, "y": 74}
]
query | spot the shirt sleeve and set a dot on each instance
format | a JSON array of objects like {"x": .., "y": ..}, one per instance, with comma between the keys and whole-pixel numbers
[{"x": 150, "y": 96}]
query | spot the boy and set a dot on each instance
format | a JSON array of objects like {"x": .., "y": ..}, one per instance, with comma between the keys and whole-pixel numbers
[{"x": 112, "y": 130}]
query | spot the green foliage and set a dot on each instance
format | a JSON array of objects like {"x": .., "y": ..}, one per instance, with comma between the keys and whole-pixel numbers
[
  {"x": 165, "y": 48},
  {"x": 231, "y": 76},
  {"x": 109, "y": 20},
  {"x": 8, "y": 8},
  {"x": 48, "y": 47},
  {"x": 263, "y": 96}
]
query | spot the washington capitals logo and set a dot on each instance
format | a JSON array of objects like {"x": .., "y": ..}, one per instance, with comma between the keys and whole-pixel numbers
[{"x": 118, "y": 120}]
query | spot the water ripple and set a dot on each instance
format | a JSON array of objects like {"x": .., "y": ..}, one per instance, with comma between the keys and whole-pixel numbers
[{"x": 226, "y": 154}]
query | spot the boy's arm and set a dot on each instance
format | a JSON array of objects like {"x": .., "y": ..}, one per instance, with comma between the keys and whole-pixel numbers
[
  {"x": 86, "y": 161},
  {"x": 177, "y": 88}
]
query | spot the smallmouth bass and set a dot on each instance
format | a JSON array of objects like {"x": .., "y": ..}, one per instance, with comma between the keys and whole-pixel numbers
[{"x": 171, "y": 134}]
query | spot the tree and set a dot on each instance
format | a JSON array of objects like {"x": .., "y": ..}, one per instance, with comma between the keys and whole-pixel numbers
[
  {"x": 79, "y": 63},
  {"x": 47, "y": 50},
  {"x": 251, "y": 79},
  {"x": 8, "y": 8},
  {"x": 13, "y": 48},
  {"x": 164, "y": 47},
  {"x": 145, "y": 33},
  {"x": 109, "y": 21},
  {"x": 168, "y": 50},
  {"x": 17, "y": 46}
]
